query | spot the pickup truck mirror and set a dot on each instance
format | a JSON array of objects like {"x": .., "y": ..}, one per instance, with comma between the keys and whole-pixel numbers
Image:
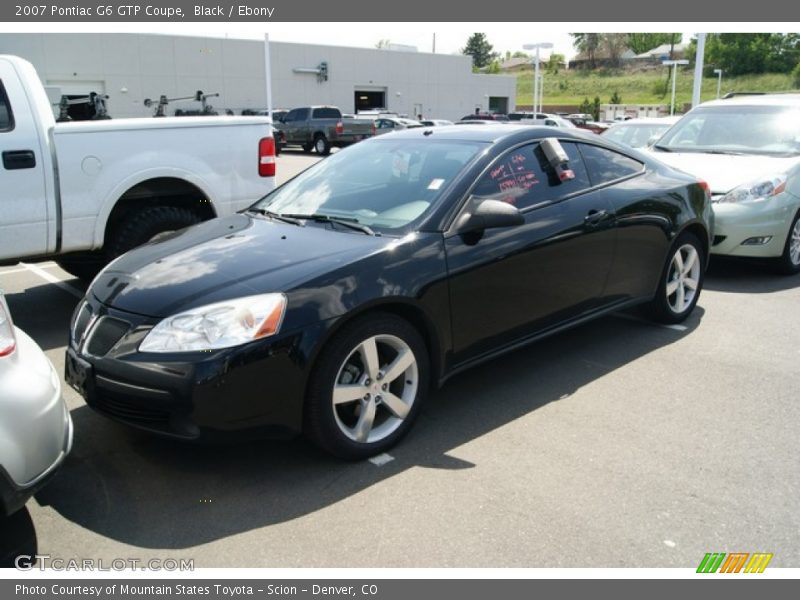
[{"x": 490, "y": 214}]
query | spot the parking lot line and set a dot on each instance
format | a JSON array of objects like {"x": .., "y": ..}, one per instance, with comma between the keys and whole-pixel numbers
[
  {"x": 53, "y": 279},
  {"x": 381, "y": 459},
  {"x": 25, "y": 270}
]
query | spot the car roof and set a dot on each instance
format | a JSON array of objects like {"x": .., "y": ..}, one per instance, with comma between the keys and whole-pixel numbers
[
  {"x": 494, "y": 132},
  {"x": 744, "y": 99},
  {"x": 647, "y": 121}
]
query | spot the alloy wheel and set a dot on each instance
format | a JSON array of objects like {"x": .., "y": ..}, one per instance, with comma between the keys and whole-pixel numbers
[
  {"x": 683, "y": 278},
  {"x": 375, "y": 388},
  {"x": 794, "y": 243}
]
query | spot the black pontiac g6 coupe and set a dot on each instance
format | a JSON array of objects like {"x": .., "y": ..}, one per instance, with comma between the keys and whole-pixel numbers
[{"x": 333, "y": 304}]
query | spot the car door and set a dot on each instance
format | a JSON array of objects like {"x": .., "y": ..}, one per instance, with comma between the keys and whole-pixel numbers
[
  {"x": 509, "y": 284},
  {"x": 643, "y": 219},
  {"x": 24, "y": 214}
]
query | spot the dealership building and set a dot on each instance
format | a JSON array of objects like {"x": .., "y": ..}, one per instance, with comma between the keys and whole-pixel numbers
[{"x": 131, "y": 68}]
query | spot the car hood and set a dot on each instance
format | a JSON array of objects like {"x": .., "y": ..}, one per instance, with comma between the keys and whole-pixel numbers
[
  {"x": 225, "y": 258},
  {"x": 723, "y": 172}
]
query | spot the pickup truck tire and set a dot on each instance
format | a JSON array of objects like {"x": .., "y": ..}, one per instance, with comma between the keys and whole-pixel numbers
[
  {"x": 143, "y": 225},
  {"x": 322, "y": 145},
  {"x": 83, "y": 265}
]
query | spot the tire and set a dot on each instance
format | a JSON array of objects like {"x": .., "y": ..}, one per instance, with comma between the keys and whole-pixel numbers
[
  {"x": 322, "y": 145},
  {"x": 789, "y": 261},
  {"x": 19, "y": 537},
  {"x": 144, "y": 225},
  {"x": 681, "y": 281},
  {"x": 339, "y": 424},
  {"x": 83, "y": 265}
]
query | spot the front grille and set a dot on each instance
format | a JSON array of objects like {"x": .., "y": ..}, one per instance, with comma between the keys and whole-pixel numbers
[
  {"x": 83, "y": 317},
  {"x": 105, "y": 334}
]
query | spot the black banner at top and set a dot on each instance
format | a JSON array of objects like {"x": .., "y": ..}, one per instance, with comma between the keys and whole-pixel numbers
[{"x": 578, "y": 11}]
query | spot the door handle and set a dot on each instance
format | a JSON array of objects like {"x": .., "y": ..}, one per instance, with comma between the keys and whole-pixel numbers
[
  {"x": 19, "y": 159},
  {"x": 595, "y": 216}
]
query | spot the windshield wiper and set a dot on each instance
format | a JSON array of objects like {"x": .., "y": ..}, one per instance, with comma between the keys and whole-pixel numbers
[
  {"x": 277, "y": 216},
  {"x": 662, "y": 148},
  {"x": 345, "y": 221}
]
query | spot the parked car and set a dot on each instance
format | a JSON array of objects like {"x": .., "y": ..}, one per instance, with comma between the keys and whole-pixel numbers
[
  {"x": 85, "y": 192},
  {"x": 387, "y": 124},
  {"x": 35, "y": 425},
  {"x": 526, "y": 116},
  {"x": 335, "y": 302},
  {"x": 323, "y": 127},
  {"x": 436, "y": 122},
  {"x": 748, "y": 149},
  {"x": 587, "y": 122},
  {"x": 483, "y": 116},
  {"x": 639, "y": 133}
]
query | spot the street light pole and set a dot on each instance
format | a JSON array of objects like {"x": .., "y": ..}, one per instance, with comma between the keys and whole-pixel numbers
[
  {"x": 537, "y": 95},
  {"x": 718, "y": 73},
  {"x": 674, "y": 64}
]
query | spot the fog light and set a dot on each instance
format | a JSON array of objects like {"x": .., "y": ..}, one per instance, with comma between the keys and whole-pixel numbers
[{"x": 757, "y": 241}]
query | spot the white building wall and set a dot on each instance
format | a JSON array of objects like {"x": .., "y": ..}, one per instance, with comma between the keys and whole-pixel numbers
[{"x": 132, "y": 67}]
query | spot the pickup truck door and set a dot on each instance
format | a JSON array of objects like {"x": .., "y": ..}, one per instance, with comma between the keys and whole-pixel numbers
[
  {"x": 23, "y": 192},
  {"x": 296, "y": 125}
]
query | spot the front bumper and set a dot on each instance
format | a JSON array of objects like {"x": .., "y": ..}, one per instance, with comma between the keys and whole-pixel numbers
[
  {"x": 256, "y": 388},
  {"x": 735, "y": 223}
]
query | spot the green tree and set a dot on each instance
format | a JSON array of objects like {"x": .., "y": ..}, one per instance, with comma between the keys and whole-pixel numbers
[
  {"x": 596, "y": 108},
  {"x": 615, "y": 98},
  {"x": 481, "y": 51},
  {"x": 796, "y": 76},
  {"x": 553, "y": 64},
  {"x": 642, "y": 42},
  {"x": 743, "y": 53},
  {"x": 614, "y": 44},
  {"x": 587, "y": 44}
]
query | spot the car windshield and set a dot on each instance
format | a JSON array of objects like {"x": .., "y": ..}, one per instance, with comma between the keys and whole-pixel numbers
[
  {"x": 736, "y": 129},
  {"x": 384, "y": 184}
]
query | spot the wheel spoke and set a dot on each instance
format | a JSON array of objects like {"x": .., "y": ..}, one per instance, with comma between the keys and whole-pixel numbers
[
  {"x": 678, "y": 261},
  {"x": 680, "y": 298},
  {"x": 690, "y": 283},
  {"x": 369, "y": 354},
  {"x": 395, "y": 405},
  {"x": 399, "y": 366},
  {"x": 365, "y": 421},
  {"x": 671, "y": 287},
  {"x": 689, "y": 263},
  {"x": 343, "y": 393}
]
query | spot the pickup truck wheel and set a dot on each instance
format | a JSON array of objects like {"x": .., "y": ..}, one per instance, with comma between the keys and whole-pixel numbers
[
  {"x": 322, "y": 145},
  {"x": 143, "y": 226}
]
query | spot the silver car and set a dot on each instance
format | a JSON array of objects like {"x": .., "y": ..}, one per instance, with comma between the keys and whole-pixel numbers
[{"x": 35, "y": 425}]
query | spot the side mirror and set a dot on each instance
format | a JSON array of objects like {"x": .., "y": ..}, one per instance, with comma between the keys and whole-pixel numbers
[{"x": 490, "y": 214}]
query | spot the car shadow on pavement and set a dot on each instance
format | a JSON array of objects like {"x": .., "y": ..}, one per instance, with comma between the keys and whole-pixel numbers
[
  {"x": 751, "y": 276},
  {"x": 36, "y": 309},
  {"x": 155, "y": 493}
]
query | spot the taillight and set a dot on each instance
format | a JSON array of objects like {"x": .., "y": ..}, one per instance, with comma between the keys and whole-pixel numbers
[
  {"x": 8, "y": 342},
  {"x": 266, "y": 157},
  {"x": 706, "y": 188},
  {"x": 339, "y": 128}
]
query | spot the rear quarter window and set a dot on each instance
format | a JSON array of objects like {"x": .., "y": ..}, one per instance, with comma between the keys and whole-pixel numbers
[{"x": 605, "y": 166}]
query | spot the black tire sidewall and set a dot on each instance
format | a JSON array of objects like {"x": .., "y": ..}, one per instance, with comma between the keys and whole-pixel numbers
[
  {"x": 319, "y": 420},
  {"x": 146, "y": 223}
]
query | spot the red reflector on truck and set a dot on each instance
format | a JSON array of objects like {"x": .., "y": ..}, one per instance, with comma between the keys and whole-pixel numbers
[{"x": 266, "y": 157}]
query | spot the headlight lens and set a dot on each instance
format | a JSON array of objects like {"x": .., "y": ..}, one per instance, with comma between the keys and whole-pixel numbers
[
  {"x": 219, "y": 325},
  {"x": 8, "y": 340},
  {"x": 757, "y": 190}
]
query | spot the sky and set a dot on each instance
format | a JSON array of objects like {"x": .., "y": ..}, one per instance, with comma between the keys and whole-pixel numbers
[{"x": 450, "y": 37}]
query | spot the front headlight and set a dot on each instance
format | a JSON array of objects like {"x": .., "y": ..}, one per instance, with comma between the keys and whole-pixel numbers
[
  {"x": 219, "y": 325},
  {"x": 757, "y": 190}
]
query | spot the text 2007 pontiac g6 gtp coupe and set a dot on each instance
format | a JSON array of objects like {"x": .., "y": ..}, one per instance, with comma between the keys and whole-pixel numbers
[{"x": 335, "y": 302}]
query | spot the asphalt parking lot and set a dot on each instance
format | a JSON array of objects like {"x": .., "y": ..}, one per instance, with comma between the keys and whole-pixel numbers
[{"x": 617, "y": 444}]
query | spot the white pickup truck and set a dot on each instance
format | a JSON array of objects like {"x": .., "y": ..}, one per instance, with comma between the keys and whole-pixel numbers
[{"x": 85, "y": 192}]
